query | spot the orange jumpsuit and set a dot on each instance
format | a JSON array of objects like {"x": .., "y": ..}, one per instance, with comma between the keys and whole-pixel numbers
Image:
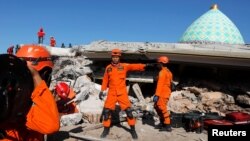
[
  {"x": 115, "y": 79},
  {"x": 42, "y": 118},
  {"x": 163, "y": 91}
]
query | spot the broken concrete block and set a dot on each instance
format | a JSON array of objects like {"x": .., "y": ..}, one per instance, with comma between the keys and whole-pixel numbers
[
  {"x": 243, "y": 99},
  {"x": 228, "y": 99},
  {"x": 189, "y": 95},
  {"x": 138, "y": 92},
  {"x": 92, "y": 118},
  {"x": 91, "y": 105},
  {"x": 70, "y": 119},
  {"x": 215, "y": 96},
  {"x": 81, "y": 81}
]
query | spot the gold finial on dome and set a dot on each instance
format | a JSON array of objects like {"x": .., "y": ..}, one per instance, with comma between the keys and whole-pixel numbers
[{"x": 214, "y": 7}]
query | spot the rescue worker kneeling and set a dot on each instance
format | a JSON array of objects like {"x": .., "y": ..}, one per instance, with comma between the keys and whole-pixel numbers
[
  {"x": 115, "y": 78},
  {"x": 162, "y": 93},
  {"x": 66, "y": 94}
]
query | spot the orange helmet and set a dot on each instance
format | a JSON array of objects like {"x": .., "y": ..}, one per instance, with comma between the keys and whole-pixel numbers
[
  {"x": 62, "y": 89},
  {"x": 163, "y": 59},
  {"x": 116, "y": 52},
  {"x": 38, "y": 56}
]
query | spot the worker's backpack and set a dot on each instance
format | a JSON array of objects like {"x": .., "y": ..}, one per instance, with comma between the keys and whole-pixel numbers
[
  {"x": 193, "y": 121},
  {"x": 177, "y": 119},
  {"x": 216, "y": 122},
  {"x": 238, "y": 117},
  {"x": 214, "y": 119}
]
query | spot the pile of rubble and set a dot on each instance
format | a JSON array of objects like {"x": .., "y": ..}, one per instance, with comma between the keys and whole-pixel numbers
[
  {"x": 75, "y": 72},
  {"x": 193, "y": 98}
]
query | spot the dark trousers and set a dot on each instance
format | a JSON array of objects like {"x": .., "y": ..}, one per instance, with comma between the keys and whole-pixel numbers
[{"x": 40, "y": 40}]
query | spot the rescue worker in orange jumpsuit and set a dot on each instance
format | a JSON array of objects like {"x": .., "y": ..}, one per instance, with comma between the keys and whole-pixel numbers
[
  {"x": 115, "y": 79},
  {"x": 42, "y": 117},
  {"x": 40, "y": 35},
  {"x": 66, "y": 93},
  {"x": 163, "y": 92},
  {"x": 52, "y": 41}
]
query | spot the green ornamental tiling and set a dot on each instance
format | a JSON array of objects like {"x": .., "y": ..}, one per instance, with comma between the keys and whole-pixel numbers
[{"x": 212, "y": 27}]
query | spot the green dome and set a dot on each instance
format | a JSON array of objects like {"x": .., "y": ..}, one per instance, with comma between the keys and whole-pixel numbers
[{"x": 212, "y": 27}]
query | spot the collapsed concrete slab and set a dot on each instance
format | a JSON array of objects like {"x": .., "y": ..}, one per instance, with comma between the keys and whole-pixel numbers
[{"x": 70, "y": 119}]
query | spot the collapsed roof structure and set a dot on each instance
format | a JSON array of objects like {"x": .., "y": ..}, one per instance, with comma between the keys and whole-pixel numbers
[{"x": 211, "y": 39}]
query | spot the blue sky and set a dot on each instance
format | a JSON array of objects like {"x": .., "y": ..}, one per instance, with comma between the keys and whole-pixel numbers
[{"x": 84, "y": 21}]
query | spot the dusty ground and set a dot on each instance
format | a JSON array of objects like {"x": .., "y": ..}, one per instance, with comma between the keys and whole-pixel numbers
[{"x": 145, "y": 132}]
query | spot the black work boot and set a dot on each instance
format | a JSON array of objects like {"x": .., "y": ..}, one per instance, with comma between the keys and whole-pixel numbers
[
  {"x": 105, "y": 132},
  {"x": 133, "y": 132},
  {"x": 160, "y": 125},
  {"x": 167, "y": 127}
]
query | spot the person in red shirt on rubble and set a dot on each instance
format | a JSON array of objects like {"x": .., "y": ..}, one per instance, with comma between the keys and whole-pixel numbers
[
  {"x": 42, "y": 117},
  {"x": 65, "y": 93},
  {"x": 162, "y": 93},
  {"x": 115, "y": 79},
  {"x": 40, "y": 35},
  {"x": 52, "y": 41},
  {"x": 10, "y": 50}
]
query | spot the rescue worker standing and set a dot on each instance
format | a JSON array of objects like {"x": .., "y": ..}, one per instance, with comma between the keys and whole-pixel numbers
[
  {"x": 10, "y": 50},
  {"x": 115, "y": 79},
  {"x": 162, "y": 93},
  {"x": 52, "y": 41},
  {"x": 40, "y": 35},
  {"x": 17, "y": 48},
  {"x": 42, "y": 117}
]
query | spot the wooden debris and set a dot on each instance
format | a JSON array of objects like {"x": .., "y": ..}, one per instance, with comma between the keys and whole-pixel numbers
[
  {"x": 72, "y": 127},
  {"x": 97, "y": 126},
  {"x": 138, "y": 92},
  {"x": 201, "y": 139},
  {"x": 181, "y": 135},
  {"x": 86, "y": 137},
  {"x": 140, "y": 80}
]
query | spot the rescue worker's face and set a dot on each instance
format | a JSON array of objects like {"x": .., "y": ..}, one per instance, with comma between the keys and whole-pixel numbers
[{"x": 115, "y": 59}]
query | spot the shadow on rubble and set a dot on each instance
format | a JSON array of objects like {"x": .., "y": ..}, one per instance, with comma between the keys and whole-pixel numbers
[
  {"x": 117, "y": 120},
  {"x": 228, "y": 80},
  {"x": 59, "y": 136},
  {"x": 62, "y": 135},
  {"x": 148, "y": 119},
  {"x": 121, "y": 126}
]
